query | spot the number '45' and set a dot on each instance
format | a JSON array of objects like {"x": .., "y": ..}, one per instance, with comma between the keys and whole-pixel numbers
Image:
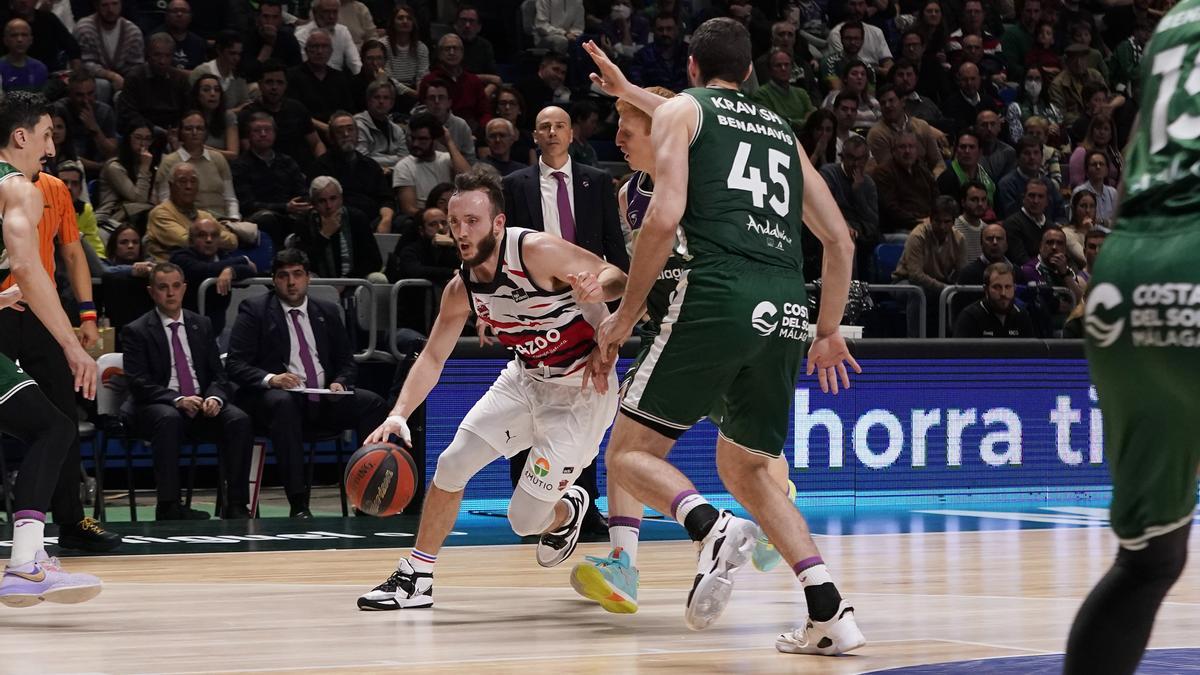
[
  {"x": 1186, "y": 127},
  {"x": 749, "y": 178}
]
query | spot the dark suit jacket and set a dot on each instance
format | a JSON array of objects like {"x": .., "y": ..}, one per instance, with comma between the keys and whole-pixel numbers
[
  {"x": 196, "y": 269},
  {"x": 597, "y": 228},
  {"x": 148, "y": 359},
  {"x": 260, "y": 345}
]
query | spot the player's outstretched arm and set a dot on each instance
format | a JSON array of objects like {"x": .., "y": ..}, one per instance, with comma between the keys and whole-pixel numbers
[
  {"x": 23, "y": 209},
  {"x": 828, "y": 354},
  {"x": 591, "y": 279},
  {"x": 613, "y": 82},
  {"x": 451, "y": 319}
]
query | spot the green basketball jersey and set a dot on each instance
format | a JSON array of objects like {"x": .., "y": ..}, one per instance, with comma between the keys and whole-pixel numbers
[
  {"x": 6, "y": 171},
  {"x": 745, "y": 185},
  {"x": 1162, "y": 169}
]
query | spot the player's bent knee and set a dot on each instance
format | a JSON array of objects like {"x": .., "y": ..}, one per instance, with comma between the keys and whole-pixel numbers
[
  {"x": 528, "y": 515},
  {"x": 464, "y": 458},
  {"x": 1163, "y": 558}
]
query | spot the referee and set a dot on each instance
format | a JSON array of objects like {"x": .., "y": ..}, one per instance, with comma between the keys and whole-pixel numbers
[{"x": 23, "y": 338}]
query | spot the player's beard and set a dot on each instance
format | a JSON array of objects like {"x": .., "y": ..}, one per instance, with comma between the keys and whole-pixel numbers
[{"x": 482, "y": 250}]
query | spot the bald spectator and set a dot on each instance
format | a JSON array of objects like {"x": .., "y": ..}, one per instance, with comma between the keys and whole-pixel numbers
[
  {"x": 895, "y": 121},
  {"x": 906, "y": 187},
  {"x": 316, "y": 83},
  {"x": 993, "y": 248},
  {"x": 18, "y": 70},
  {"x": 558, "y": 23},
  {"x": 53, "y": 43},
  {"x": 342, "y": 54},
  {"x": 479, "y": 56},
  {"x": 156, "y": 91},
  {"x": 425, "y": 166},
  {"x": 379, "y": 137},
  {"x": 190, "y": 48},
  {"x": 778, "y": 94},
  {"x": 468, "y": 99},
  {"x": 337, "y": 239},
  {"x": 969, "y": 98},
  {"x": 501, "y": 134},
  {"x": 203, "y": 259},
  {"x": 995, "y": 156},
  {"x": 111, "y": 45},
  {"x": 170, "y": 222}
]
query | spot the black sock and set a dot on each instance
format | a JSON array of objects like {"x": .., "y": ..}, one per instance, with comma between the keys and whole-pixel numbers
[
  {"x": 700, "y": 521},
  {"x": 823, "y": 601}
]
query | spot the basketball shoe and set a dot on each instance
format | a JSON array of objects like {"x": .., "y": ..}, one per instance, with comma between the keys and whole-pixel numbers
[
  {"x": 725, "y": 550},
  {"x": 405, "y": 589},
  {"x": 555, "y": 547},
  {"x": 44, "y": 579},
  {"x": 610, "y": 581},
  {"x": 829, "y": 638},
  {"x": 766, "y": 557}
]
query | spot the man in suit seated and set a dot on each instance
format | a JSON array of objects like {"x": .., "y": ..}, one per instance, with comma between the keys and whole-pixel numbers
[
  {"x": 179, "y": 387},
  {"x": 286, "y": 340},
  {"x": 202, "y": 260}
]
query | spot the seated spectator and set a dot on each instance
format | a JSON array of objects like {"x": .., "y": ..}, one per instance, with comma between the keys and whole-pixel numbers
[
  {"x": 992, "y": 70},
  {"x": 63, "y": 149},
  {"x": 435, "y": 100},
  {"x": 834, "y": 63},
  {"x": 1100, "y": 137},
  {"x": 584, "y": 120},
  {"x": 906, "y": 187},
  {"x": 970, "y": 224},
  {"x": 407, "y": 55},
  {"x": 366, "y": 186},
  {"x": 511, "y": 106},
  {"x": 123, "y": 253},
  {"x": 896, "y": 121},
  {"x": 111, "y": 46},
  {"x": 1038, "y": 129},
  {"x": 91, "y": 124},
  {"x": 875, "y": 50},
  {"x": 356, "y": 17},
  {"x": 904, "y": 79},
  {"x": 778, "y": 94},
  {"x": 1033, "y": 100},
  {"x": 819, "y": 136},
  {"x": 933, "y": 254},
  {"x": 548, "y": 85},
  {"x": 1066, "y": 91},
  {"x": 996, "y": 316},
  {"x": 1124, "y": 65},
  {"x": 178, "y": 386},
  {"x": 1018, "y": 38},
  {"x": 425, "y": 166},
  {"x": 995, "y": 156},
  {"x": 295, "y": 134},
  {"x": 379, "y": 137},
  {"x": 18, "y": 70},
  {"x": 803, "y": 75},
  {"x": 336, "y": 239},
  {"x": 845, "y": 110},
  {"x": 208, "y": 98},
  {"x": 965, "y": 167},
  {"x": 1082, "y": 221},
  {"x": 970, "y": 97},
  {"x": 341, "y": 54},
  {"x": 169, "y": 223},
  {"x": 479, "y": 56},
  {"x": 1105, "y": 195},
  {"x": 374, "y": 58},
  {"x": 1052, "y": 267},
  {"x": 468, "y": 99},
  {"x": 270, "y": 40},
  {"x": 156, "y": 91},
  {"x": 1010, "y": 189},
  {"x": 286, "y": 340},
  {"x": 430, "y": 255},
  {"x": 1081, "y": 34},
  {"x": 1097, "y": 102},
  {"x": 858, "y": 198},
  {"x": 315, "y": 84},
  {"x": 53, "y": 43},
  {"x": 971, "y": 22},
  {"x": 993, "y": 243},
  {"x": 269, "y": 184},
  {"x": 663, "y": 62},
  {"x": 71, "y": 174},
  {"x": 1042, "y": 55},
  {"x": 557, "y": 24},
  {"x": 854, "y": 83},
  {"x": 501, "y": 134},
  {"x": 1092, "y": 243},
  {"x": 225, "y": 68},
  {"x": 932, "y": 80},
  {"x": 127, "y": 181},
  {"x": 623, "y": 32},
  {"x": 439, "y": 197},
  {"x": 190, "y": 48},
  {"x": 1025, "y": 227},
  {"x": 203, "y": 259}
]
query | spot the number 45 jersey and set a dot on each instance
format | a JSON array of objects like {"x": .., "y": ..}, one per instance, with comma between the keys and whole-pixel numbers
[
  {"x": 745, "y": 186},
  {"x": 1162, "y": 171}
]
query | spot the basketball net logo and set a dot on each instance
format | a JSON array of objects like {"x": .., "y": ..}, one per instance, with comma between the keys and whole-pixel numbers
[
  {"x": 1103, "y": 298},
  {"x": 765, "y": 318}
]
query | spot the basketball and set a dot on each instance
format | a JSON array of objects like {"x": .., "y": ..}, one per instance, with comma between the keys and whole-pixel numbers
[{"x": 381, "y": 479}]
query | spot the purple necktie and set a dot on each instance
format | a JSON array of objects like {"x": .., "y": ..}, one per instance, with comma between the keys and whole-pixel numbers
[
  {"x": 187, "y": 386},
  {"x": 310, "y": 370},
  {"x": 566, "y": 219}
]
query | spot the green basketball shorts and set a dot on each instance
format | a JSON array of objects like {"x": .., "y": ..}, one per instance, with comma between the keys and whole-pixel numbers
[{"x": 12, "y": 379}]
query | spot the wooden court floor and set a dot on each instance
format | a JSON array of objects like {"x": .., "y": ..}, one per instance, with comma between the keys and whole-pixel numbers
[{"x": 921, "y": 598}]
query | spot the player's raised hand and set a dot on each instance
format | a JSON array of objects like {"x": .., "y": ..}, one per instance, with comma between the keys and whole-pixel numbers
[
  {"x": 610, "y": 79},
  {"x": 11, "y": 299},
  {"x": 586, "y": 288},
  {"x": 394, "y": 425},
  {"x": 828, "y": 357}
]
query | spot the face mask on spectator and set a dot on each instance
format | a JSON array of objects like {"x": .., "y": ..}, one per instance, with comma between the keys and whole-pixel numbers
[
  {"x": 1033, "y": 87},
  {"x": 621, "y": 12}
]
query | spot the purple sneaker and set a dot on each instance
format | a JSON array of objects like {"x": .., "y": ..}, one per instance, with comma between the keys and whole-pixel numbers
[{"x": 44, "y": 579}]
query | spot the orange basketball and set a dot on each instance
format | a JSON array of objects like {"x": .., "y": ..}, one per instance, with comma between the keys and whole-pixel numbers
[{"x": 381, "y": 479}]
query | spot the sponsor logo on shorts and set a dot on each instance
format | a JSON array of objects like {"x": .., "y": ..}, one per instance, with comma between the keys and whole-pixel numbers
[
  {"x": 1104, "y": 298},
  {"x": 562, "y": 485},
  {"x": 765, "y": 318},
  {"x": 568, "y": 470},
  {"x": 541, "y": 467}
]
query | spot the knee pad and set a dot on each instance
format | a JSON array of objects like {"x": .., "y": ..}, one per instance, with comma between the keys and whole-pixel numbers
[
  {"x": 465, "y": 456},
  {"x": 528, "y": 515}
]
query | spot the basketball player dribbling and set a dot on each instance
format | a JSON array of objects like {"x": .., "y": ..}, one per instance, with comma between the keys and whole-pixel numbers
[
  {"x": 733, "y": 187},
  {"x": 541, "y": 296},
  {"x": 31, "y": 575}
]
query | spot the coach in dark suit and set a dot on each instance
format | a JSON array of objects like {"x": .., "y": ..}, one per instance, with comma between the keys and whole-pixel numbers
[
  {"x": 287, "y": 340},
  {"x": 179, "y": 387},
  {"x": 563, "y": 197},
  {"x": 578, "y": 203}
]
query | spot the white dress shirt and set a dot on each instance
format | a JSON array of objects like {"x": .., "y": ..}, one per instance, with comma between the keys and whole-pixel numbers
[
  {"x": 173, "y": 383},
  {"x": 295, "y": 364},
  {"x": 549, "y": 185},
  {"x": 345, "y": 55}
]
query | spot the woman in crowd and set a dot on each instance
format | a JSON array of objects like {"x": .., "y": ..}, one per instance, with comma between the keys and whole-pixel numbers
[
  {"x": 407, "y": 55},
  {"x": 855, "y": 80},
  {"x": 819, "y": 137},
  {"x": 1096, "y": 167},
  {"x": 511, "y": 106},
  {"x": 123, "y": 253},
  {"x": 209, "y": 99},
  {"x": 1100, "y": 136},
  {"x": 126, "y": 181},
  {"x": 1083, "y": 219},
  {"x": 1034, "y": 99}
]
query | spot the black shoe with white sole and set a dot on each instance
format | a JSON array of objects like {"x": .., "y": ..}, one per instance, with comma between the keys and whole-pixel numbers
[{"x": 404, "y": 589}]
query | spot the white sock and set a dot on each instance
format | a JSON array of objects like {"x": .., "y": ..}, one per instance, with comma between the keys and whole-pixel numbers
[
  {"x": 28, "y": 539},
  {"x": 422, "y": 562},
  {"x": 684, "y": 503},
  {"x": 815, "y": 576},
  {"x": 624, "y": 536}
]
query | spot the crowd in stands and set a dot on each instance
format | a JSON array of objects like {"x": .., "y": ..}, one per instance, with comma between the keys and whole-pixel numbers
[{"x": 979, "y": 139}]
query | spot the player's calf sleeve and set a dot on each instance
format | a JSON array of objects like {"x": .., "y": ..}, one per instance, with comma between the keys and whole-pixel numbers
[{"x": 30, "y": 417}]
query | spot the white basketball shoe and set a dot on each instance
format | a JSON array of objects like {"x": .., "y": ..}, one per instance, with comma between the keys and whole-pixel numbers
[
  {"x": 725, "y": 550},
  {"x": 828, "y": 638}
]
